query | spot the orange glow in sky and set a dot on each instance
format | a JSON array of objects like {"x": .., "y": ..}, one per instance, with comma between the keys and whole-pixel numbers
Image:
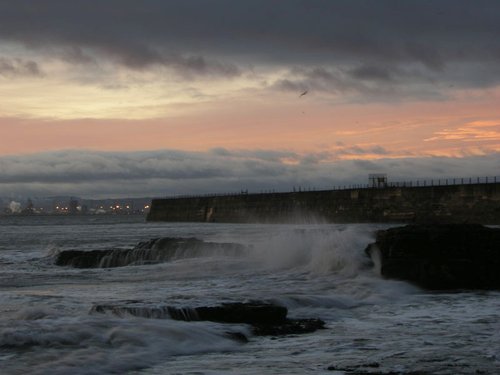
[
  {"x": 289, "y": 84},
  {"x": 453, "y": 128}
]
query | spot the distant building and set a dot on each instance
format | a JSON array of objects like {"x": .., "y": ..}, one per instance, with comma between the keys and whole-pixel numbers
[
  {"x": 29, "y": 209},
  {"x": 378, "y": 180},
  {"x": 73, "y": 206}
]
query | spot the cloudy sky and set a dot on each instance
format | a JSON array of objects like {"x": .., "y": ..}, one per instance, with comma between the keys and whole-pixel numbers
[{"x": 148, "y": 98}]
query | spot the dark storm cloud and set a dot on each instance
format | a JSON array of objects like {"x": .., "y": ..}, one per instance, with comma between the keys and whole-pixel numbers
[
  {"x": 221, "y": 36},
  {"x": 169, "y": 172},
  {"x": 379, "y": 83}
]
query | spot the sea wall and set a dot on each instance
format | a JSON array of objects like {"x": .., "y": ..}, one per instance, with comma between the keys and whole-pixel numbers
[{"x": 478, "y": 203}]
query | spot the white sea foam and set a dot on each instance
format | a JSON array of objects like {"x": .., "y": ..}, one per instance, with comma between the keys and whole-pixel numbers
[
  {"x": 317, "y": 250},
  {"x": 103, "y": 344},
  {"x": 317, "y": 271},
  {"x": 52, "y": 250}
]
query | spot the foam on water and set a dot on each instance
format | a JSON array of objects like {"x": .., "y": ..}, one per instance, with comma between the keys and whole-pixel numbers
[
  {"x": 329, "y": 260},
  {"x": 104, "y": 344},
  {"x": 317, "y": 271}
]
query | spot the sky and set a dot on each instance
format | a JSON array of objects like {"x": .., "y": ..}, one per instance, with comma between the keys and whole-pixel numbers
[{"x": 123, "y": 98}]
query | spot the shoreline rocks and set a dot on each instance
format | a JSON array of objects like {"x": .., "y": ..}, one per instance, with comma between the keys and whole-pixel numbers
[
  {"x": 266, "y": 319},
  {"x": 440, "y": 256},
  {"x": 149, "y": 252}
]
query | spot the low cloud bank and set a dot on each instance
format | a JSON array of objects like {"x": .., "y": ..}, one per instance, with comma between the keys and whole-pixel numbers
[{"x": 94, "y": 174}]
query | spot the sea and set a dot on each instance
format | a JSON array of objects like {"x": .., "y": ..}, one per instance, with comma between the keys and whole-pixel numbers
[{"x": 373, "y": 325}]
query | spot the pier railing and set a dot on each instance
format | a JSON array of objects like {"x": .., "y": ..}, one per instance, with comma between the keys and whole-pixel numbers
[
  {"x": 390, "y": 184},
  {"x": 426, "y": 182}
]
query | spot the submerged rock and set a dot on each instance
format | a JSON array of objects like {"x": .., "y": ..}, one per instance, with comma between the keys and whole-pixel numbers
[
  {"x": 266, "y": 319},
  {"x": 289, "y": 327},
  {"x": 440, "y": 257},
  {"x": 149, "y": 252},
  {"x": 80, "y": 258}
]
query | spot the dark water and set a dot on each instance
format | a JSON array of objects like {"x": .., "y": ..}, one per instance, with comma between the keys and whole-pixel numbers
[{"x": 315, "y": 270}]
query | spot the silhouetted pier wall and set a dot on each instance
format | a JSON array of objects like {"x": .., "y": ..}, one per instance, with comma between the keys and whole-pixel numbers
[{"x": 472, "y": 202}]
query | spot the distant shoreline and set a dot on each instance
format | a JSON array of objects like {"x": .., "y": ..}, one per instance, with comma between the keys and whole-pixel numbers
[{"x": 73, "y": 215}]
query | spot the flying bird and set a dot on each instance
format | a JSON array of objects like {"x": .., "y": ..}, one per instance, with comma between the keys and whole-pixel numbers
[{"x": 305, "y": 92}]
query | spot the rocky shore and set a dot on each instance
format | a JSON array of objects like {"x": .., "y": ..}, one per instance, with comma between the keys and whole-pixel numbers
[
  {"x": 440, "y": 256},
  {"x": 432, "y": 256},
  {"x": 156, "y": 250},
  {"x": 266, "y": 319}
]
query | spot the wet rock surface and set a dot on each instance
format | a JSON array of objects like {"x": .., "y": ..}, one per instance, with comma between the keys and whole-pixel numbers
[
  {"x": 249, "y": 313},
  {"x": 440, "y": 256},
  {"x": 148, "y": 252},
  {"x": 288, "y": 327},
  {"x": 266, "y": 319}
]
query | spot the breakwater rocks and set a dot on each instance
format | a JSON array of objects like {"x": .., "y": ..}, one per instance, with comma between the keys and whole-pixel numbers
[
  {"x": 149, "y": 252},
  {"x": 474, "y": 203},
  {"x": 266, "y": 319},
  {"x": 440, "y": 257}
]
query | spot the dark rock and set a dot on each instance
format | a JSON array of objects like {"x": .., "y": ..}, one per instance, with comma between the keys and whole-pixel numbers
[
  {"x": 81, "y": 259},
  {"x": 149, "y": 252},
  {"x": 249, "y": 313},
  {"x": 289, "y": 327},
  {"x": 237, "y": 336},
  {"x": 440, "y": 256},
  {"x": 266, "y": 319}
]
